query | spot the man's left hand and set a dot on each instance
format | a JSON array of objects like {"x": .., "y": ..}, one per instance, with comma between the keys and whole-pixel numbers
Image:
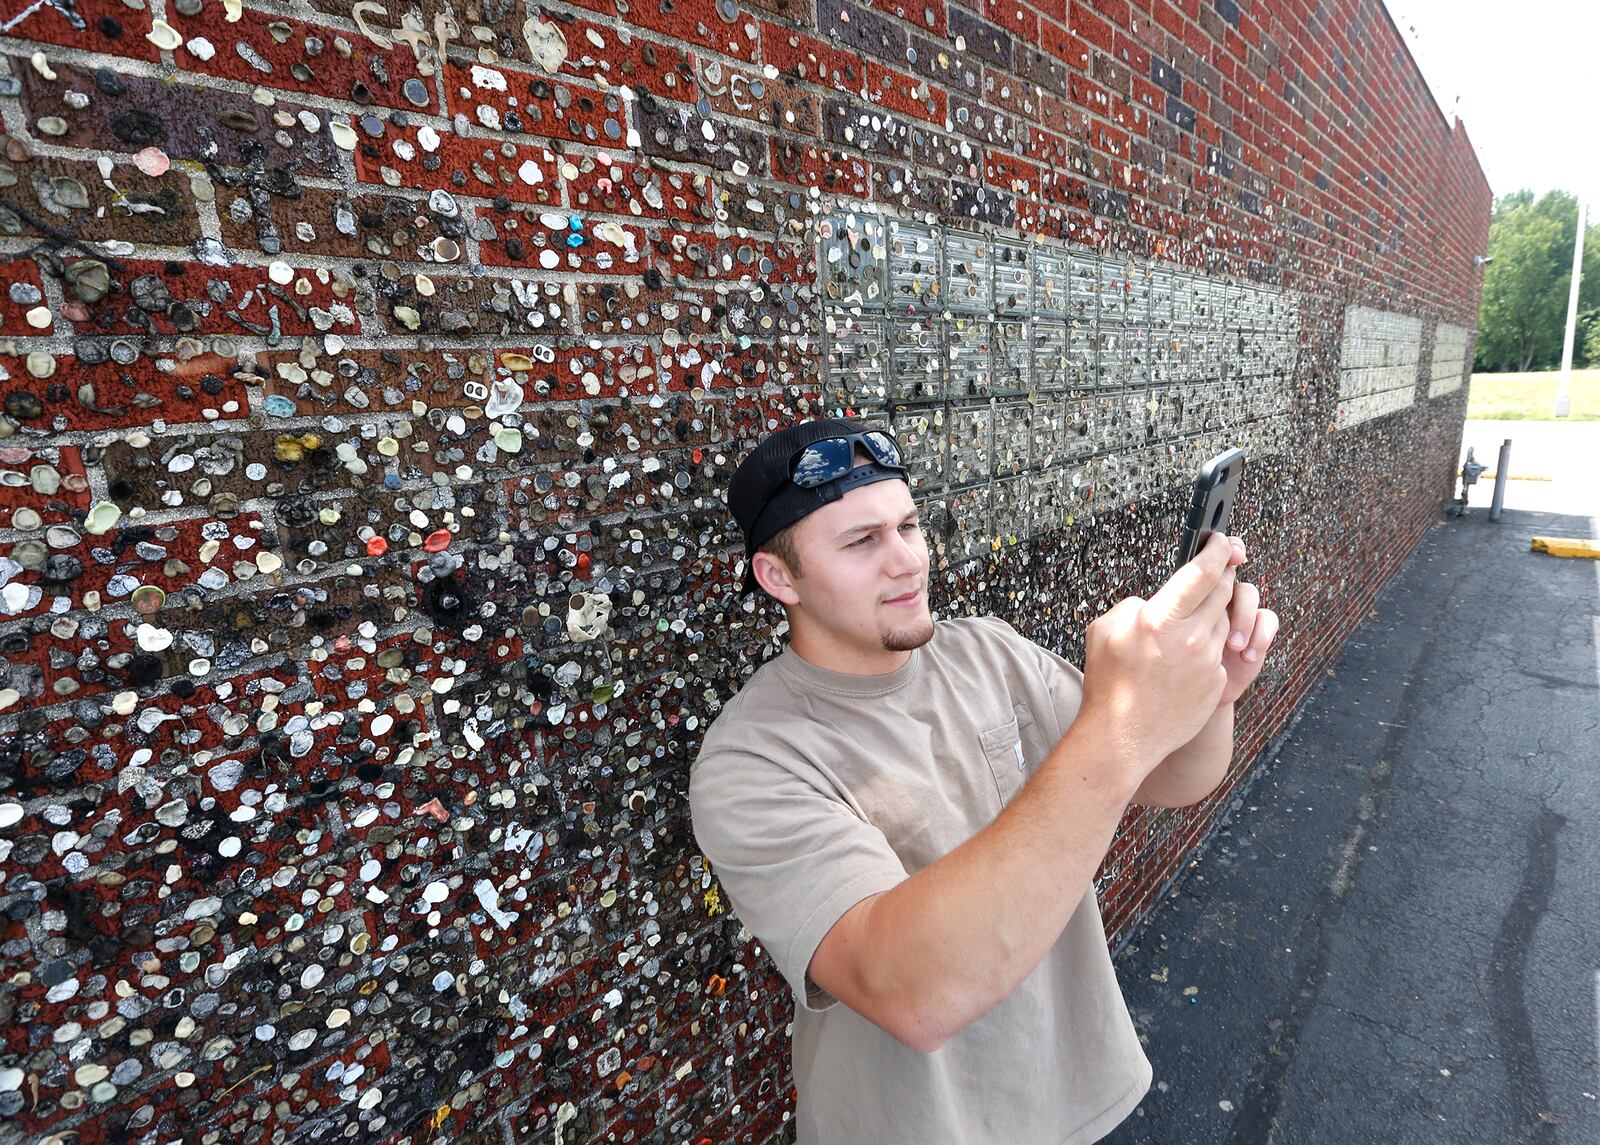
[{"x": 1251, "y": 630}]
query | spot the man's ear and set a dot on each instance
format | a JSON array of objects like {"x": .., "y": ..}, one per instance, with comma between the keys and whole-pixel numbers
[{"x": 774, "y": 577}]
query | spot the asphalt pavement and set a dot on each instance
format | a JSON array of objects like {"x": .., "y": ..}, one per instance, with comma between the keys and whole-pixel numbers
[{"x": 1394, "y": 936}]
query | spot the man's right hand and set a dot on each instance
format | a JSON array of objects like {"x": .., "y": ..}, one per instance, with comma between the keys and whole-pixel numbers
[{"x": 1152, "y": 669}]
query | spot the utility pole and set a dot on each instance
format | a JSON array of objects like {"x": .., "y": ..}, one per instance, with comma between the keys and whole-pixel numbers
[{"x": 1563, "y": 401}]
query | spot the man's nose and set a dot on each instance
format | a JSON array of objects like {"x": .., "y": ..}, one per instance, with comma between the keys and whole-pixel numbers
[{"x": 905, "y": 555}]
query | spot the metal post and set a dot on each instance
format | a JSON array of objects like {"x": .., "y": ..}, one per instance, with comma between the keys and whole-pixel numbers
[
  {"x": 1500, "y": 480},
  {"x": 1563, "y": 403}
]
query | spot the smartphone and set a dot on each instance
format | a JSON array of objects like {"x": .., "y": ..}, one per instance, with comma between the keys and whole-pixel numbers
[{"x": 1211, "y": 508}]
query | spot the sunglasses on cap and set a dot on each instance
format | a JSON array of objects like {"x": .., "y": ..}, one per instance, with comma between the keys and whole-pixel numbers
[{"x": 834, "y": 457}]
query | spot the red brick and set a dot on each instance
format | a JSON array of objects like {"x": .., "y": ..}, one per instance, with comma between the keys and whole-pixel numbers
[
  {"x": 925, "y": 15},
  {"x": 131, "y": 395},
  {"x": 792, "y": 107},
  {"x": 813, "y": 166},
  {"x": 623, "y": 56},
  {"x": 108, "y": 26},
  {"x": 1018, "y": 17},
  {"x": 527, "y": 174},
  {"x": 695, "y": 21},
  {"x": 328, "y": 73},
  {"x": 1089, "y": 27},
  {"x": 16, "y": 469},
  {"x": 805, "y": 57},
  {"x": 252, "y": 296},
  {"x": 895, "y": 91},
  {"x": 485, "y": 95},
  {"x": 1059, "y": 42}
]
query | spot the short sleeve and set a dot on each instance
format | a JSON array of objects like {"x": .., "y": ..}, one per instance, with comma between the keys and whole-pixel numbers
[{"x": 792, "y": 857}]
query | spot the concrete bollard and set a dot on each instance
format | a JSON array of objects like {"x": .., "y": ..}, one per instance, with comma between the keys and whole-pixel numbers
[{"x": 1500, "y": 470}]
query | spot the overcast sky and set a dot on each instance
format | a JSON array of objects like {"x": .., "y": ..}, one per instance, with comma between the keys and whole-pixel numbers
[{"x": 1524, "y": 75}]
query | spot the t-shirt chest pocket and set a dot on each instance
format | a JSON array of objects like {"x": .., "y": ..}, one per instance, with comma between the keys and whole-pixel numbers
[{"x": 1012, "y": 751}]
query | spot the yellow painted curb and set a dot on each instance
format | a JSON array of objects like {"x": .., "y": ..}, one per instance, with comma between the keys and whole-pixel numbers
[
  {"x": 1566, "y": 547},
  {"x": 1489, "y": 476}
]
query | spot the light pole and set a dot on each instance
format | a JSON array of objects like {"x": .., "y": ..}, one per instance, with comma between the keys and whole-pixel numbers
[{"x": 1563, "y": 402}]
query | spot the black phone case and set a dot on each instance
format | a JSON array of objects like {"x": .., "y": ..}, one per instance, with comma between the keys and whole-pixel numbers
[{"x": 1214, "y": 490}]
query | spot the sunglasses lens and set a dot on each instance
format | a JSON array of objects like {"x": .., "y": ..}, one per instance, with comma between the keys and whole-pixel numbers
[
  {"x": 821, "y": 462},
  {"x": 883, "y": 448}
]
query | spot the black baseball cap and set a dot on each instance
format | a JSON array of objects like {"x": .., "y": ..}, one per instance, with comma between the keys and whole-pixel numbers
[{"x": 763, "y": 499}]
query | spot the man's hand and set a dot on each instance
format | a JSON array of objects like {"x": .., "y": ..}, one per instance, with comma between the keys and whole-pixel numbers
[
  {"x": 1153, "y": 669},
  {"x": 1251, "y": 632}
]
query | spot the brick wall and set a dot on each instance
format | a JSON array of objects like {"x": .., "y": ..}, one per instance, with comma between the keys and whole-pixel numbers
[{"x": 370, "y": 377}]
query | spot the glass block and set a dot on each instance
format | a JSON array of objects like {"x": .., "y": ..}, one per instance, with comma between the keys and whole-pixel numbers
[
  {"x": 1234, "y": 310},
  {"x": 1253, "y": 308},
  {"x": 1009, "y": 506},
  {"x": 917, "y": 359},
  {"x": 1051, "y": 288},
  {"x": 1098, "y": 422},
  {"x": 969, "y": 523},
  {"x": 1132, "y": 472},
  {"x": 1208, "y": 304},
  {"x": 1096, "y": 491},
  {"x": 1012, "y": 356},
  {"x": 1208, "y": 408},
  {"x": 1113, "y": 278},
  {"x": 1013, "y": 437},
  {"x": 1137, "y": 293},
  {"x": 1137, "y": 347},
  {"x": 1128, "y": 415},
  {"x": 1162, "y": 284},
  {"x": 1182, "y": 287},
  {"x": 971, "y": 434},
  {"x": 1233, "y": 403},
  {"x": 914, "y": 270},
  {"x": 1013, "y": 277},
  {"x": 934, "y": 516},
  {"x": 1051, "y": 445},
  {"x": 1046, "y": 492},
  {"x": 856, "y": 357},
  {"x": 1050, "y": 370},
  {"x": 1288, "y": 314},
  {"x": 1081, "y": 364},
  {"x": 851, "y": 257},
  {"x": 920, "y": 433},
  {"x": 1176, "y": 359},
  {"x": 1178, "y": 465},
  {"x": 1163, "y": 355},
  {"x": 970, "y": 347},
  {"x": 1272, "y": 396},
  {"x": 968, "y": 272},
  {"x": 1084, "y": 297},
  {"x": 1119, "y": 359},
  {"x": 1205, "y": 354},
  {"x": 1252, "y": 354},
  {"x": 1080, "y": 417},
  {"x": 1077, "y": 493},
  {"x": 1165, "y": 421},
  {"x": 1199, "y": 402}
]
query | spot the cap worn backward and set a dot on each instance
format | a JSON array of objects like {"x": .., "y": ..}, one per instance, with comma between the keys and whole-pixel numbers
[{"x": 764, "y": 501}]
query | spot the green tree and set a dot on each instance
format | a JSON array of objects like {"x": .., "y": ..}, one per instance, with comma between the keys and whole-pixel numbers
[
  {"x": 1524, "y": 310},
  {"x": 1588, "y": 353}
]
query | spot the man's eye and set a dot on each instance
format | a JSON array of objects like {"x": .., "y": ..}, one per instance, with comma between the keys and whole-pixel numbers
[
  {"x": 858, "y": 544},
  {"x": 912, "y": 525}
]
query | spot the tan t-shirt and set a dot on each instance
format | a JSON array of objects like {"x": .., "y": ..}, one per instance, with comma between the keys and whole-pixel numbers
[{"x": 815, "y": 789}]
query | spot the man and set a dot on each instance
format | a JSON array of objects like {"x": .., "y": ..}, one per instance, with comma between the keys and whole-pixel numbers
[{"x": 909, "y": 815}]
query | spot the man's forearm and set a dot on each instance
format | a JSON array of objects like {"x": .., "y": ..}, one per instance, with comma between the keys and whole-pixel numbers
[
  {"x": 960, "y": 935},
  {"x": 1192, "y": 772}
]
